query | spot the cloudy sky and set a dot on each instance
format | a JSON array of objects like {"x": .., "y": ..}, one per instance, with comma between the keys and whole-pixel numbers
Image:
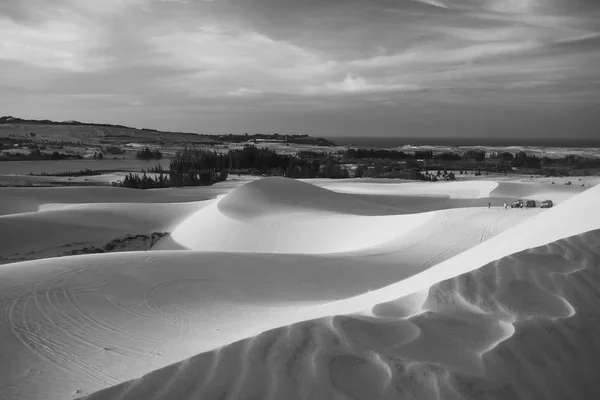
[{"x": 323, "y": 67}]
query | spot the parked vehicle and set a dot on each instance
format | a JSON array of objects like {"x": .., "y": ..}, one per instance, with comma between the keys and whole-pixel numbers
[
  {"x": 547, "y": 204},
  {"x": 517, "y": 204},
  {"x": 530, "y": 204}
]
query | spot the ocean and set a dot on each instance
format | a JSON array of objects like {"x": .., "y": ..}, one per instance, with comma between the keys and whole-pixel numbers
[{"x": 390, "y": 142}]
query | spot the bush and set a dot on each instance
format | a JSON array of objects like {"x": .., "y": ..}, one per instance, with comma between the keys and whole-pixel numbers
[
  {"x": 148, "y": 154},
  {"x": 83, "y": 172},
  {"x": 157, "y": 169},
  {"x": 374, "y": 153},
  {"x": 359, "y": 172},
  {"x": 113, "y": 150}
]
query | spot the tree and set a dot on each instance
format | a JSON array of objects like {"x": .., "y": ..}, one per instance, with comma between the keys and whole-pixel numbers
[
  {"x": 277, "y": 171},
  {"x": 411, "y": 164},
  {"x": 424, "y": 154},
  {"x": 478, "y": 155},
  {"x": 148, "y": 154},
  {"x": 359, "y": 172}
]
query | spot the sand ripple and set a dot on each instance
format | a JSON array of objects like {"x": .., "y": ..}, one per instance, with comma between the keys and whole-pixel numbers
[{"x": 522, "y": 327}]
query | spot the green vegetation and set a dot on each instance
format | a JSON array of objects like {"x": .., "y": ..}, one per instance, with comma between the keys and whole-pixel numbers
[
  {"x": 122, "y": 244},
  {"x": 259, "y": 161},
  {"x": 136, "y": 181},
  {"x": 111, "y": 134},
  {"x": 276, "y": 137},
  {"x": 148, "y": 154},
  {"x": 83, "y": 172},
  {"x": 36, "y": 154},
  {"x": 113, "y": 150},
  {"x": 196, "y": 167},
  {"x": 386, "y": 161},
  {"x": 30, "y": 140},
  {"x": 198, "y": 178}
]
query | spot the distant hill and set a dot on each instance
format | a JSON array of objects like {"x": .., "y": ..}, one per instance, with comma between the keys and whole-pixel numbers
[
  {"x": 238, "y": 138},
  {"x": 13, "y": 120}
]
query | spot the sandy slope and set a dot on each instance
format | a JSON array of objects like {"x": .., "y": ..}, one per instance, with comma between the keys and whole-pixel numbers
[
  {"x": 522, "y": 327},
  {"x": 87, "y": 218},
  {"x": 14, "y": 200},
  {"x": 61, "y": 229},
  {"x": 421, "y": 196},
  {"x": 74, "y": 325},
  {"x": 279, "y": 215}
]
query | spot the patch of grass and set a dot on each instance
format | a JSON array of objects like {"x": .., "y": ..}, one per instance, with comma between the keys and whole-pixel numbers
[
  {"x": 120, "y": 244},
  {"x": 83, "y": 172}
]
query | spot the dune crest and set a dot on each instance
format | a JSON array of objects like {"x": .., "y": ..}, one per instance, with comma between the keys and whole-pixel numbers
[
  {"x": 518, "y": 328},
  {"x": 281, "y": 215},
  {"x": 400, "y": 302},
  {"x": 275, "y": 196}
]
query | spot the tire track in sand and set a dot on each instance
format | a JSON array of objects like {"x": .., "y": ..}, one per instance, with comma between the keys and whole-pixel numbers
[{"x": 151, "y": 303}]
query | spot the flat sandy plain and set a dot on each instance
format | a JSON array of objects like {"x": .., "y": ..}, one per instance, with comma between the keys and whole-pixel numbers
[{"x": 280, "y": 289}]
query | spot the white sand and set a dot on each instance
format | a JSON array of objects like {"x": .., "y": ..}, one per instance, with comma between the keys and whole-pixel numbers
[{"x": 290, "y": 291}]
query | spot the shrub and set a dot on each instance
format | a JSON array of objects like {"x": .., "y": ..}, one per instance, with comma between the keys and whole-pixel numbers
[{"x": 148, "y": 154}]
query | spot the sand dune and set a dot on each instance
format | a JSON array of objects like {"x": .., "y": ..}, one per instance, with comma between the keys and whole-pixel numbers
[
  {"x": 63, "y": 228},
  {"x": 422, "y": 196},
  {"x": 14, "y": 200},
  {"x": 305, "y": 299},
  {"x": 282, "y": 196},
  {"x": 85, "y": 218},
  {"x": 278, "y": 215},
  {"x": 521, "y": 327},
  {"x": 469, "y": 190},
  {"x": 534, "y": 191},
  {"x": 466, "y": 339}
]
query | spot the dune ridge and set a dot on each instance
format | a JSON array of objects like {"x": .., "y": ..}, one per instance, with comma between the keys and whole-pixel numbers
[
  {"x": 424, "y": 197},
  {"x": 275, "y": 196},
  {"x": 462, "y": 340},
  {"x": 73, "y": 325},
  {"x": 280, "y": 215},
  {"x": 518, "y": 328},
  {"x": 59, "y": 229}
]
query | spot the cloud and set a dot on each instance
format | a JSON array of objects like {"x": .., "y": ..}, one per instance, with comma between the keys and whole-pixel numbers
[
  {"x": 192, "y": 61},
  {"x": 357, "y": 84},
  {"x": 219, "y": 58},
  {"x": 244, "y": 92},
  {"x": 52, "y": 44},
  {"x": 587, "y": 36},
  {"x": 434, "y": 3}
]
